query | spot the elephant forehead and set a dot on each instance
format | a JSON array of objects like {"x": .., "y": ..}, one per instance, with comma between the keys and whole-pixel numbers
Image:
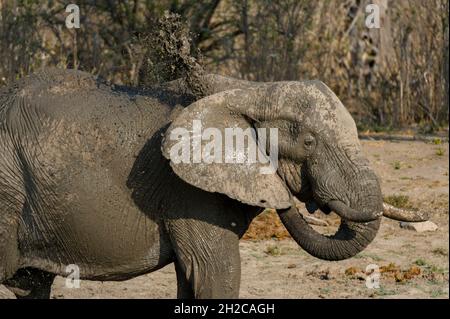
[{"x": 316, "y": 107}]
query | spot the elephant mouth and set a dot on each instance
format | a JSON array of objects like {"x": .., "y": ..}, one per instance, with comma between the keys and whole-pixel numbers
[
  {"x": 344, "y": 211},
  {"x": 312, "y": 207}
]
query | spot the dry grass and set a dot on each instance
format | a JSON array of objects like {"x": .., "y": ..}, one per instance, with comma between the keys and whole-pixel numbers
[
  {"x": 389, "y": 79},
  {"x": 266, "y": 226},
  {"x": 390, "y": 271},
  {"x": 399, "y": 201}
]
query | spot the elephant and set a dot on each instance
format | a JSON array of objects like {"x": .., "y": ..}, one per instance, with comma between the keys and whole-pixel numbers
[{"x": 87, "y": 178}]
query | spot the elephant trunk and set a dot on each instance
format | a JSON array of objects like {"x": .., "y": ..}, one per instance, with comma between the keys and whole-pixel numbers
[
  {"x": 353, "y": 215},
  {"x": 349, "y": 240}
]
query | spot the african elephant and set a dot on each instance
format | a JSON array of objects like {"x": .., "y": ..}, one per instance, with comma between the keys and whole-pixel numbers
[{"x": 87, "y": 178}]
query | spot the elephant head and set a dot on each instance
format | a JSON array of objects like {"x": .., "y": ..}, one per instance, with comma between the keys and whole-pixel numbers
[{"x": 320, "y": 160}]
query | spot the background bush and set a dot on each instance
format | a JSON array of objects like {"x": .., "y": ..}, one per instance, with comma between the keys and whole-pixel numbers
[{"x": 391, "y": 77}]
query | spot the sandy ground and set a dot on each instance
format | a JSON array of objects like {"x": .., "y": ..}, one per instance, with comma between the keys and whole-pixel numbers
[{"x": 412, "y": 265}]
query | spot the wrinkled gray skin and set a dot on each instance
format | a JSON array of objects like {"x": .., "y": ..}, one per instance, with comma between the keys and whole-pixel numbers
[{"x": 86, "y": 179}]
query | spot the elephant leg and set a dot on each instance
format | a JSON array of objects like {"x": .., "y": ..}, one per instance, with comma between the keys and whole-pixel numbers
[
  {"x": 208, "y": 261},
  {"x": 184, "y": 288},
  {"x": 31, "y": 283},
  {"x": 9, "y": 251}
]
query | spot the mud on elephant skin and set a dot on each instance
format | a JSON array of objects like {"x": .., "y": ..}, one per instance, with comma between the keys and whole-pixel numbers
[{"x": 86, "y": 178}]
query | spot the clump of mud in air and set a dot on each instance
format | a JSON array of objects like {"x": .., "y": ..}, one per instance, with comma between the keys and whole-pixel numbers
[{"x": 169, "y": 56}]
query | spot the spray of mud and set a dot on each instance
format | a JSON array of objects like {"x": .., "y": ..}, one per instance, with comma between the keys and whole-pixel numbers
[{"x": 170, "y": 55}]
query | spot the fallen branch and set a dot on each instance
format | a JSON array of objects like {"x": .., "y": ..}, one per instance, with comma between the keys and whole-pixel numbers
[
  {"x": 315, "y": 221},
  {"x": 393, "y": 137}
]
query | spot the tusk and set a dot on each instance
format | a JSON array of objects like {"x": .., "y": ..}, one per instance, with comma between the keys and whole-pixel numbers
[{"x": 404, "y": 215}]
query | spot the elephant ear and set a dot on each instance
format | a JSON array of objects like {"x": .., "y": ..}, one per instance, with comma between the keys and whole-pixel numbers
[{"x": 244, "y": 178}]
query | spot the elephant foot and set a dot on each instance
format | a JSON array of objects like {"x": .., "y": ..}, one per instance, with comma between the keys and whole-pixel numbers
[{"x": 31, "y": 283}]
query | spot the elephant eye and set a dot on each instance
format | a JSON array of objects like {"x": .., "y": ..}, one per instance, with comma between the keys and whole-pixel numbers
[{"x": 308, "y": 141}]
